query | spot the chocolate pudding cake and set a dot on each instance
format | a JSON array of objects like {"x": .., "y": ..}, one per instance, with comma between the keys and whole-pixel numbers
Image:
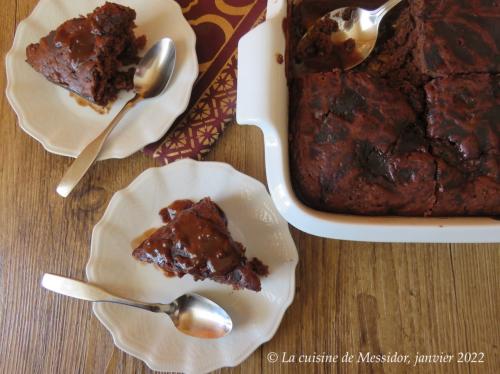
[
  {"x": 195, "y": 240},
  {"x": 90, "y": 55},
  {"x": 415, "y": 129}
]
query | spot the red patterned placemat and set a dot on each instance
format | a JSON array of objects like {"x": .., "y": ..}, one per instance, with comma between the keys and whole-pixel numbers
[{"x": 218, "y": 24}]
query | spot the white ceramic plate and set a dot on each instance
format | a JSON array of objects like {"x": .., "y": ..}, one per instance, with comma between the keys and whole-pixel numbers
[
  {"x": 58, "y": 122},
  {"x": 253, "y": 221}
]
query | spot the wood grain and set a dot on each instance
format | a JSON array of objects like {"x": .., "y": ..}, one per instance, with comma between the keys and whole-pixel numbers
[{"x": 351, "y": 297}]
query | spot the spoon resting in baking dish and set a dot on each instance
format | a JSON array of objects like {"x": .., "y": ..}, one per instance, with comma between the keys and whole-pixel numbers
[
  {"x": 191, "y": 314},
  {"x": 150, "y": 80},
  {"x": 347, "y": 34}
]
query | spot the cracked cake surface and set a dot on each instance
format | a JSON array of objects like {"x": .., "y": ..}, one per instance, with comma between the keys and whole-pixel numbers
[{"x": 415, "y": 129}]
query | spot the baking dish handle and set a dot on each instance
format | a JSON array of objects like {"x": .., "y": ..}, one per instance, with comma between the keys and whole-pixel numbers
[{"x": 262, "y": 93}]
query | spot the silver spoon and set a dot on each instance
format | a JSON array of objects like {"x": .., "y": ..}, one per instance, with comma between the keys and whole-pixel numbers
[
  {"x": 192, "y": 314},
  {"x": 359, "y": 25},
  {"x": 151, "y": 79}
]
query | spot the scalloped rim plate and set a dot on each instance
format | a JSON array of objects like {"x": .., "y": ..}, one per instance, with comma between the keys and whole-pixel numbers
[
  {"x": 48, "y": 113},
  {"x": 253, "y": 220}
]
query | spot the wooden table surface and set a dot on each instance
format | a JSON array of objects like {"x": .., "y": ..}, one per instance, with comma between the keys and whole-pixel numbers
[{"x": 350, "y": 297}]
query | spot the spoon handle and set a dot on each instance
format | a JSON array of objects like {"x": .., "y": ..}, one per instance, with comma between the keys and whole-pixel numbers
[
  {"x": 85, "y": 291},
  {"x": 382, "y": 10},
  {"x": 87, "y": 157}
]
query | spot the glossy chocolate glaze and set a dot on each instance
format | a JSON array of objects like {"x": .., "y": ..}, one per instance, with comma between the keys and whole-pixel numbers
[
  {"x": 196, "y": 241},
  {"x": 169, "y": 213},
  {"x": 87, "y": 55},
  {"x": 78, "y": 36}
]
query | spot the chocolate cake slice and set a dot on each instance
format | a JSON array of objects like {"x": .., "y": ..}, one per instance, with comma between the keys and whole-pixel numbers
[
  {"x": 90, "y": 55},
  {"x": 195, "y": 240},
  {"x": 359, "y": 148}
]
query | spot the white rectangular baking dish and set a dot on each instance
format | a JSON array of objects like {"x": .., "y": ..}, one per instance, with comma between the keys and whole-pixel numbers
[{"x": 262, "y": 100}]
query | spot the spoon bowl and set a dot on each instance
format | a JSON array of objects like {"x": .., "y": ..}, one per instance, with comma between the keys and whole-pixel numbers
[
  {"x": 200, "y": 317},
  {"x": 155, "y": 69},
  {"x": 353, "y": 32},
  {"x": 191, "y": 314}
]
